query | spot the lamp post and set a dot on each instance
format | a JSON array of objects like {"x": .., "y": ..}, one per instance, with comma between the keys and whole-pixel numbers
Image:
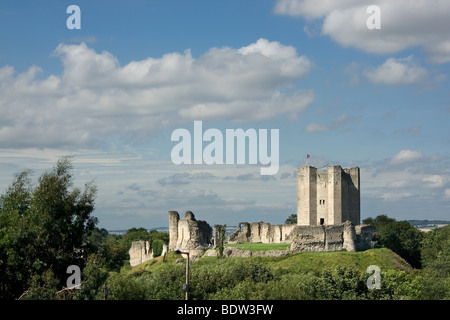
[{"x": 186, "y": 285}]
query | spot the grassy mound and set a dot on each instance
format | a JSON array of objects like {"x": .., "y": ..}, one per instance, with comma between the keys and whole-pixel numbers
[{"x": 295, "y": 263}]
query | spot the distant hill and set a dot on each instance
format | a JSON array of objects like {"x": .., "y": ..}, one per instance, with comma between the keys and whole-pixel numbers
[
  {"x": 428, "y": 224},
  {"x": 123, "y": 231},
  {"x": 229, "y": 230}
]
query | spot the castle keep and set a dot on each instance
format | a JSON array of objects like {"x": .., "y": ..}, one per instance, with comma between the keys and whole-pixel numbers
[{"x": 328, "y": 197}]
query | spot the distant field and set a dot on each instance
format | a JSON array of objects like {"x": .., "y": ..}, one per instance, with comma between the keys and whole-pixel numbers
[{"x": 260, "y": 246}]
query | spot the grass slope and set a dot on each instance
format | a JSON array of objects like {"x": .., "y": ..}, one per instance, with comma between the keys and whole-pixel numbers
[
  {"x": 382, "y": 257},
  {"x": 297, "y": 263}
]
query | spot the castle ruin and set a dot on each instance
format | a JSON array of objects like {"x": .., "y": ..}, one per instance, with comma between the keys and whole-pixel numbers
[
  {"x": 188, "y": 233},
  {"x": 328, "y": 215},
  {"x": 328, "y": 218}
]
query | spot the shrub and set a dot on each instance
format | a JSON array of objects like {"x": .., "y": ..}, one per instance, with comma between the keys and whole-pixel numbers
[
  {"x": 157, "y": 247},
  {"x": 125, "y": 287},
  {"x": 207, "y": 279}
]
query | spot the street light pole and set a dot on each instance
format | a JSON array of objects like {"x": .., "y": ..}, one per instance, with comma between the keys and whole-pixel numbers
[
  {"x": 187, "y": 277},
  {"x": 186, "y": 286}
]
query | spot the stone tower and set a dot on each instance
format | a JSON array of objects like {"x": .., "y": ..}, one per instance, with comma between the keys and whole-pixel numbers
[
  {"x": 188, "y": 233},
  {"x": 328, "y": 198}
]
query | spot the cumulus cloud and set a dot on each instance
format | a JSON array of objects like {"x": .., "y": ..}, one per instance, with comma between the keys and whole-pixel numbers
[
  {"x": 404, "y": 24},
  {"x": 95, "y": 97},
  {"x": 397, "y": 71},
  {"x": 411, "y": 183},
  {"x": 405, "y": 156},
  {"x": 434, "y": 181}
]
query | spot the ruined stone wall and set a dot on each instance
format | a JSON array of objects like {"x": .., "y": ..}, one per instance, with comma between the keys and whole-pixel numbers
[
  {"x": 323, "y": 238},
  {"x": 363, "y": 236},
  {"x": 140, "y": 252},
  {"x": 188, "y": 233},
  {"x": 174, "y": 217},
  {"x": 261, "y": 232},
  {"x": 344, "y": 236}
]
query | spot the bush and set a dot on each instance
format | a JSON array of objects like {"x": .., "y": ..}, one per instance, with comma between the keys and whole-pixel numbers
[
  {"x": 157, "y": 247},
  {"x": 165, "y": 284},
  {"x": 208, "y": 279},
  {"x": 125, "y": 287}
]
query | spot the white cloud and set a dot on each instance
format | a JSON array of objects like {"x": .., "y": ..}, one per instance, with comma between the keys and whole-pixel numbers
[
  {"x": 447, "y": 194},
  {"x": 397, "y": 71},
  {"x": 314, "y": 127},
  {"x": 338, "y": 122},
  {"x": 397, "y": 196},
  {"x": 434, "y": 181},
  {"x": 311, "y": 8},
  {"x": 422, "y": 184},
  {"x": 405, "y": 156},
  {"x": 404, "y": 24},
  {"x": 97, "y": 98}
]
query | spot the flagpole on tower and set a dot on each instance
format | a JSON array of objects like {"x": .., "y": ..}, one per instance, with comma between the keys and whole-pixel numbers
[{"x": 306, "y": 161}]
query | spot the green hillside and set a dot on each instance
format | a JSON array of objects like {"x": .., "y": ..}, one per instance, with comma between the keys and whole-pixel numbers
[
  {"x": 308, "y": 275},
  {"x": 298, "y": 263},
  {"x": 382, "y": 257}
]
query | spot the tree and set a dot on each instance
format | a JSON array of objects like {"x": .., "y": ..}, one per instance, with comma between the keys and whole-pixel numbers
[
  {"x": 134, "y": 234},
  {"x": 399, "y": 236},
  {"x": 292, "y": 219},
  {"x": 222, "y": 235},
  {"x": 42, "y": 229},
  {"x": 157, "y": 247},
  {"x": 436, "y": 262}
]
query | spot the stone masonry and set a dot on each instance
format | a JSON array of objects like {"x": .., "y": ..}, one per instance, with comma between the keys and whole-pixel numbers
[
  {"x": 328, "y": 197},
  {"x": 188, "y": 233},
  {"x": 261, "y": 232},
  {"x": 140, "y": 252}
]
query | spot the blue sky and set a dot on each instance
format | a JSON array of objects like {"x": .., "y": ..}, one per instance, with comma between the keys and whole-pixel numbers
[{"x": 111, "y": 94}]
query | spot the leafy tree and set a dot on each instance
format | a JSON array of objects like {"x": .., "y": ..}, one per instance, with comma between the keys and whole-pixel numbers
[
  {"x": 134, "y": 234},
  {"x": 114, "y": 254},
  {"x": 93, "y": 279},
  {"x": 436, "y": 262},
  {"x": 399, "y": 236},
  {"x": 221, "y": 244},
  {"x": 292, "y": 219},
  {"x": 157, "y": 247},
  {"x": 42, "y": 229},
  {"x": 156, "y": 235}
]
